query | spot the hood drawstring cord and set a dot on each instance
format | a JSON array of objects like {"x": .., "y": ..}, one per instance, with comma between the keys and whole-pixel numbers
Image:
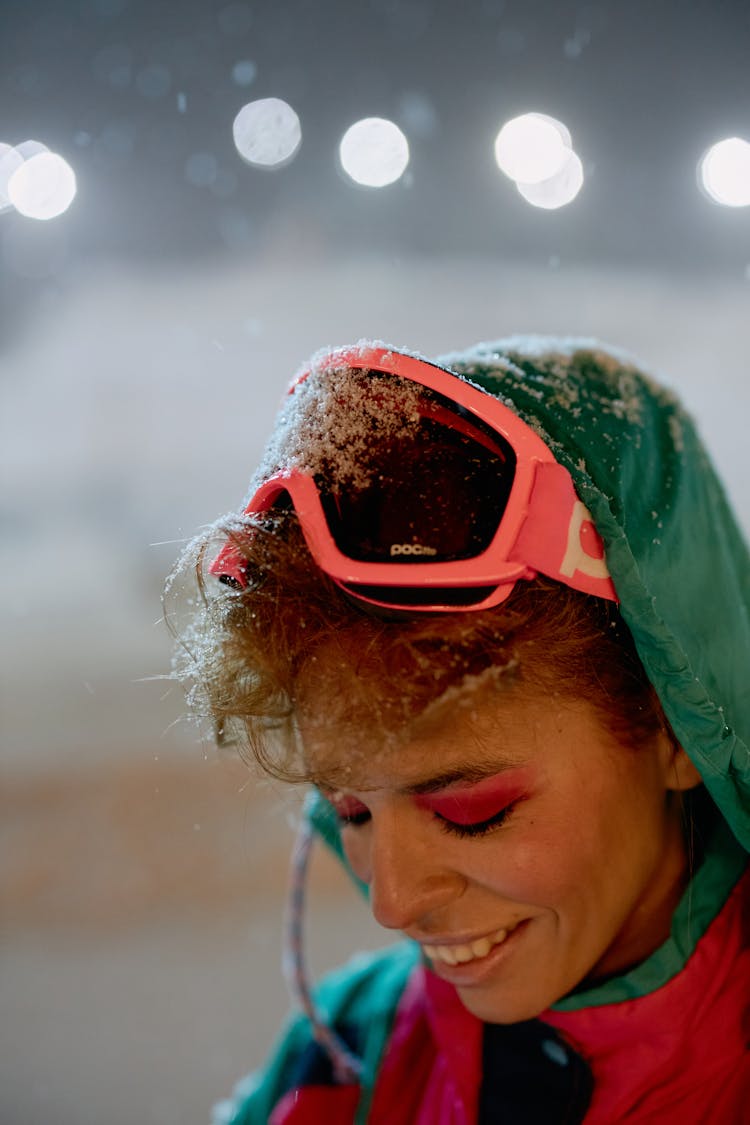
[{"x": 347, "y": 1067}]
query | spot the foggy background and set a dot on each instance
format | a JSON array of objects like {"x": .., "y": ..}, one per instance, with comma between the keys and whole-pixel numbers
[{"x": 146, "y": 336}]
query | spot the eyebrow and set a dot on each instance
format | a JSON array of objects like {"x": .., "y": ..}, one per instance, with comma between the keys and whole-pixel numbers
[{"x": 466, "y": 774}]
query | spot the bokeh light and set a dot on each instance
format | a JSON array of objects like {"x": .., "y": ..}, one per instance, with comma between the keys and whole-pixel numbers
[
  {"x": 559, "y": 189},
  {"x": 532, "y": 148},
  {"x": 374, "y": 152},
  {"x": 724, "y": 172},
  {"x": 244, "y": 72},
  {"x": 27, "y": 149},
  {"x": 10, "y": 160},
  {"x": 267, "y": 133},
  {"x": 43, "y": 186}
]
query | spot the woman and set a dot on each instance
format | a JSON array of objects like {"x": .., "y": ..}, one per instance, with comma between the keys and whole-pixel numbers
[{"x": 496, "y": 609}]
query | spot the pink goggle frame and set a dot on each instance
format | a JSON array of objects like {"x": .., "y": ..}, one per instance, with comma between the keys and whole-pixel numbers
[{"x": 544, "y": 529}]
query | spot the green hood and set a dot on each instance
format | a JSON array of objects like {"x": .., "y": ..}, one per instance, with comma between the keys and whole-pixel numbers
[{"x": 675, "y": 553}]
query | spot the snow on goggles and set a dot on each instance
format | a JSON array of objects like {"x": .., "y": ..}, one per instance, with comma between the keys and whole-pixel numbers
[{"x": 442, "y": 514}]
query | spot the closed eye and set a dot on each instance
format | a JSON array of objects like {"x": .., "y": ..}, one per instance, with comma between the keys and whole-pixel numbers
[
  {"x": 355, "y": 818},
  {"x": 479, "y": 827},
  {"x": 479, "y": 808},
  {"x": 350, "y": 811}
]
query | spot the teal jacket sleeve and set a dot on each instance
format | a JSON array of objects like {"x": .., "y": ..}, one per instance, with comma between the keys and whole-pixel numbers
[{"x": 359, "y": 1001}]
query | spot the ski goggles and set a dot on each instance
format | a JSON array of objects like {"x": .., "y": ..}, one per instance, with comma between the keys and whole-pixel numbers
[{"x": 443, "y": 514}]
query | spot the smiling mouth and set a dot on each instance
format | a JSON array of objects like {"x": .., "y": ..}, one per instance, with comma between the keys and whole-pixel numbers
[{"x": 469, "y": 951}]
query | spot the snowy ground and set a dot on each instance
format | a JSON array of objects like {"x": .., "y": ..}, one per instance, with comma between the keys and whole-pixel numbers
[
  {"x": 152, "y": 1025},
  {"x": 141, "y": 941}
]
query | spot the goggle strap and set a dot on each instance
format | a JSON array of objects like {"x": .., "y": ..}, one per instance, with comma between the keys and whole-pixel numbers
[{"x": 558, "y": 537}]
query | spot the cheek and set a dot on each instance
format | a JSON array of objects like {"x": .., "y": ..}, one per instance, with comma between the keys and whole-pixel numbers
[
  {"x": 590, "y": 849},
  {"x": 544, "y": 863}
]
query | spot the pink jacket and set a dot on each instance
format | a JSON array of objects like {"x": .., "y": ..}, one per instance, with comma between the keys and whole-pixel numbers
[{"x": 680, "y": 1054}]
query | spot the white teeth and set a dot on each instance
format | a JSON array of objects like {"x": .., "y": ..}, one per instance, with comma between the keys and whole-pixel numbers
[
  {"x": 461, "y": 954},
  {"x": 481, "y": 947}
]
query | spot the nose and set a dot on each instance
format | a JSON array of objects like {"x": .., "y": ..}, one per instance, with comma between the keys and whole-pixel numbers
[{"x": 409, "y": 880}]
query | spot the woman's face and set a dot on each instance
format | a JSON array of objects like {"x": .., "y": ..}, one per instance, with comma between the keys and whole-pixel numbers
[{"x": 516, "y": 839}]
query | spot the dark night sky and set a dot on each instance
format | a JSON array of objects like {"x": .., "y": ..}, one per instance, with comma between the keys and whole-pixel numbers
[{"x": 644, "y": 87}]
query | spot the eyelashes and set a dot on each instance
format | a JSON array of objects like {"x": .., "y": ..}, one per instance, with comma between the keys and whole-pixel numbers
[
  {"x": 479, "y": 827},
  {"x": 353, "y": 813}
]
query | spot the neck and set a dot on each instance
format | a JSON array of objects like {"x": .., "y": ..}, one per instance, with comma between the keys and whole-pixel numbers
[{"x": 650, "y": 922}]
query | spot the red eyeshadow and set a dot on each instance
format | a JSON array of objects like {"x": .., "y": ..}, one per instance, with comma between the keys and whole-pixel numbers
[
  {"x": 347, "y": 807},
  {"x": 471, "y": 804}
]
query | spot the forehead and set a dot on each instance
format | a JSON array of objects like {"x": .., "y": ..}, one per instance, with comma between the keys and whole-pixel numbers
[
  {"x": 459, "y": 749},
  {"x": 361, "y": 729}
]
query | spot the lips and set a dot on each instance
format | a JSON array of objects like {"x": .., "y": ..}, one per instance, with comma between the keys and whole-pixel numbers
[{"x": 462, "y": 954}]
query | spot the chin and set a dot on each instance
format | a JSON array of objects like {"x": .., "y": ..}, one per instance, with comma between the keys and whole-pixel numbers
[{"x": 505, "y": 1008}]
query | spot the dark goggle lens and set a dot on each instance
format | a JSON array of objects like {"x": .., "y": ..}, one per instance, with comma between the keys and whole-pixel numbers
[{"x": 437, "y": 496}]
